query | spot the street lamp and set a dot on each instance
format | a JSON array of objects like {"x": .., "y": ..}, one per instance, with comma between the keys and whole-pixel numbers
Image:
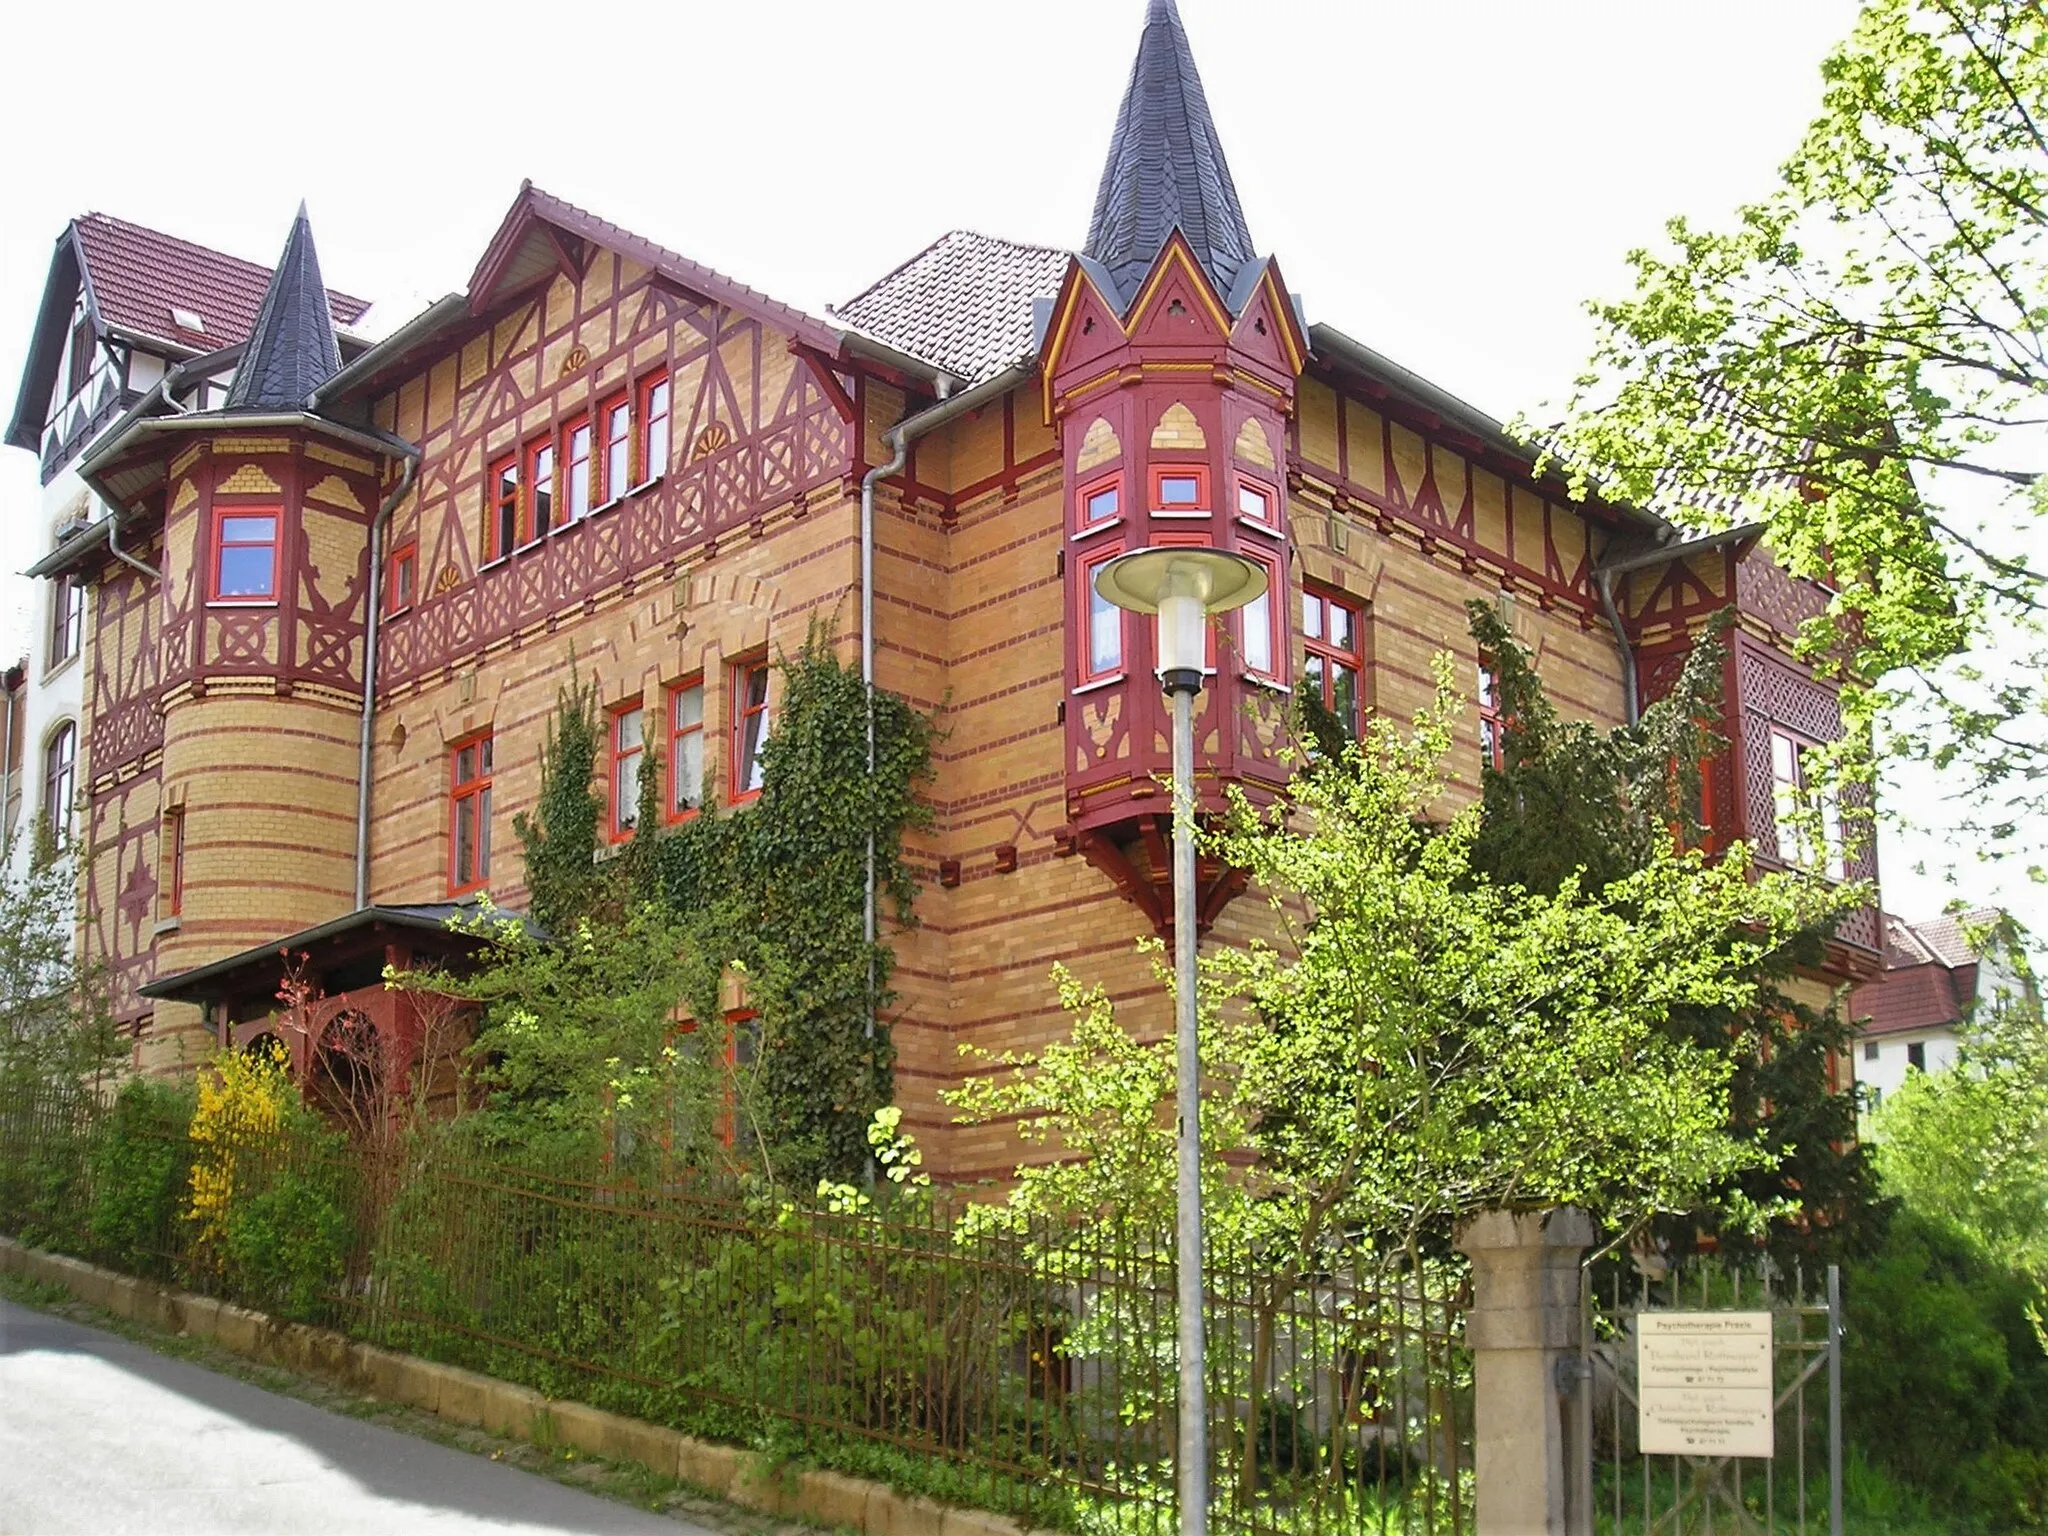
[{"x": 1183, "y": 587}]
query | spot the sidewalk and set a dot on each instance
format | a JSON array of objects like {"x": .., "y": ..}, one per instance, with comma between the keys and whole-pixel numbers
[{"x": 105, "y": 1435}]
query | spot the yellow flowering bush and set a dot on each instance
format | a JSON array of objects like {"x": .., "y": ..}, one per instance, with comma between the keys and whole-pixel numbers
[{"x": 245, "y": 1101}]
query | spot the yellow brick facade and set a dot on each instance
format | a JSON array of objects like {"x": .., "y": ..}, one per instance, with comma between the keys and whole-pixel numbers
[{"x": 732, "y": 546}]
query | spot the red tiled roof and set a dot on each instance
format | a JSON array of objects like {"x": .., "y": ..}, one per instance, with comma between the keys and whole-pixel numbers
[
  {"x": 1948, "y": 938},
  {"x": 139, "y": 275},
  {"x": 533, "y": 203},
  {"x": 1930, "y": 977},
  {"x": 1911, "y": 997}
]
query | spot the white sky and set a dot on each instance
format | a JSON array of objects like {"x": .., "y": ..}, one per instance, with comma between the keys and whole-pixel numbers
[{"x": 1447, "y": 182}]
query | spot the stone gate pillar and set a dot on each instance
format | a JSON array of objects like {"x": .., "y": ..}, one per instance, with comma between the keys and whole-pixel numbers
[{"x": 1525, "y": 1319}]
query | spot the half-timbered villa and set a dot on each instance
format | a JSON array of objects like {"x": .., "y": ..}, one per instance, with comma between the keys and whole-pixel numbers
[{"x": 603, "y": 454}]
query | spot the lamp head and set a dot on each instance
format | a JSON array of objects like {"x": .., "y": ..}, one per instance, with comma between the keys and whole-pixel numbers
[{"x": 1183, "y": 586}]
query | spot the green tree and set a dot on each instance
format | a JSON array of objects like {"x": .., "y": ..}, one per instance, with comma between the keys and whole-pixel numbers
[
  {"x": 56, "y": 1018},
  {"x": 1948, "y": 1314},
  {"x": 1859, "y": 361},
  {"x": 1969, "y": 1147},
  {"x": 1573, "y": 800},
  {"x": 1429, "y": 1043}
]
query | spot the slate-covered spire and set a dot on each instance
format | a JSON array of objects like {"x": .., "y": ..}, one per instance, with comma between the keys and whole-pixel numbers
[
  {"x": 291, "y": 349},
  {"x": 1166, "y": 167}
]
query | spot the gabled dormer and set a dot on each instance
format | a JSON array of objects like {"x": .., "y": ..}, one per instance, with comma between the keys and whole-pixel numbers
[{"x": 121, "y": 305}]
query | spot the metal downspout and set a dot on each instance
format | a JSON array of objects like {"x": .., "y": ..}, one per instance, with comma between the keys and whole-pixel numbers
[
  {"x": 375, "y": 597},
  {"x": 114, "y": 548},
  {"x": 1631, "y": 705},
  {"x": 899, "y": 438},
  {"x": 162, "y": 392},
  {"x": 899, "y": 442}
]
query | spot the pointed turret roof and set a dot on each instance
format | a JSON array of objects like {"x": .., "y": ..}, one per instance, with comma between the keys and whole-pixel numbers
[
  {"x": 1166, "y": 167},
  {"x": 291, "y": 350}
]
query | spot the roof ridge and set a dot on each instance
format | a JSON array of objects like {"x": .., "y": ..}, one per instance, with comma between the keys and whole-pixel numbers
[
  {"x": 256, "y": 268},
  {"x": 766, "y": 300},
  {"x": 932, "y": 245}
]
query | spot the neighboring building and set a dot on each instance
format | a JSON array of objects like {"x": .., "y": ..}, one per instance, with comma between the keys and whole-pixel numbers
[
  {"x": 604, "y": 454},
  {"x": 122, "y": 304},
  {"x": 14, "y": 688},
  {"x": 1938, "y": 976}
]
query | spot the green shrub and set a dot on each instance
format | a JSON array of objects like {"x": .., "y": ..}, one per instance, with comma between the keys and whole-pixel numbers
[
  {"x": 141, "y": 1162},
  {"x": 1944, "y": 1379},
  {"x": 288, "y": 1232}
]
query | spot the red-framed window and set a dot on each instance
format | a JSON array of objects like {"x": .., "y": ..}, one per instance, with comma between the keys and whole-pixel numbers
[
  {"x": 67, "y": 619},
  {"x": 174, "y": 861},
  {"x": 1262, "y": 648},
  {"x": 741, "y": 1048},
  {"x": 501, "y": 533},
  {"x": 747, "y": 684},
  {"x": 1180, "y": 490},
  {"x": 402, "y": 577},
  {"x": 1333, "y": 653},
  {"x": 577, "y": 484},
  {"x": 540, "y": 488},
  {"x": 1103, "y": 642},
  {"x": 1257, "y": 503},
  {"x": 469, "y": 814},
  {"x": 1100, "y": 504},
  {"x": 60, "y": 782},
  {"x": 686, "y": 749},
  {"x": 654, "y": 417},
  {"x": 615, "y": 443},
  {"x": 1797, "y": 800},
  {"x": 245, "y": 548},
  {"x": 1493, "y": 731},
  {"x": 628, "y": 746}
]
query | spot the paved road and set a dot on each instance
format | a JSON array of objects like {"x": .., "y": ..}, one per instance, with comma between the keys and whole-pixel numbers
[{"x": 101, "y": 1436}]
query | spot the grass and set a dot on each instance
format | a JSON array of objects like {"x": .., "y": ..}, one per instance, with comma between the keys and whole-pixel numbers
[{"x": 1873, "y": 1504}]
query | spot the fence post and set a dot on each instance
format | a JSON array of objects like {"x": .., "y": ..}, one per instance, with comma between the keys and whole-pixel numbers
[
  {"x": 1526, "y": 1318},
  {"x": 1834, "y": 1400}
]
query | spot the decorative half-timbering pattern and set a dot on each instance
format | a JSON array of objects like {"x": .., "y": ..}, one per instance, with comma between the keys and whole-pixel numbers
[
  {"x": 1395, "y": 467},
  {"x": 126, "y": 724},
  {"x": 120, "y": 888},
  {"x": 1772, "y": 691},
  {"x": 753, "y": 430}
]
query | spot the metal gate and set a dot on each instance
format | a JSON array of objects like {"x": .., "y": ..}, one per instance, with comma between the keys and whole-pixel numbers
[{"x": 1619, "y": 1488}]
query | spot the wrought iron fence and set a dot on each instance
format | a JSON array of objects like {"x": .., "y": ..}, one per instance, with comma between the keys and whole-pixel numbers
[
  {"x": 1795, "y": 1489},
  {"x": 1026, "y": 1369}
]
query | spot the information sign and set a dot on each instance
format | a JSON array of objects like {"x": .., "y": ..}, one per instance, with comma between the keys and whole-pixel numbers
[{"x": 1703, "y": 1383}]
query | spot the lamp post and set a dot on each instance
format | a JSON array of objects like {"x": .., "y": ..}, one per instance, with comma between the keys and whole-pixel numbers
[{"x": 1183, "y": 587}]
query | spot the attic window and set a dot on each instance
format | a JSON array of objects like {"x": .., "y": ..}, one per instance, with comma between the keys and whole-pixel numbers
[{"x": 188, "y": 320}]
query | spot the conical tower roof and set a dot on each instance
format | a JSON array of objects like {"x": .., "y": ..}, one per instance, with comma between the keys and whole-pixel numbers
[
  {"x": 291, "y": 349},
  {"x": 1166, "y": 167}
]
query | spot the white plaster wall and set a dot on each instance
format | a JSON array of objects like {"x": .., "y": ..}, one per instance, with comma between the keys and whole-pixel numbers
[
  {"x": 54, "y": 694},
  {"x": 1888, "y": 1071}
]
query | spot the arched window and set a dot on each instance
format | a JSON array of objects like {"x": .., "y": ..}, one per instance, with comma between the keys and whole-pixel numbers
[{"x": 60, "y": 778}]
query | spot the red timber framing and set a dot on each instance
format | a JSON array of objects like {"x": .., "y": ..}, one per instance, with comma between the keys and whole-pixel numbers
[
  {"x": 124, "y": 754},
  {"x": 1167, "y": 405},
  {"x": 1414, "y": 456},
  {"x": 708, "y": 394},
  {"x": 1668, "y": 608}
]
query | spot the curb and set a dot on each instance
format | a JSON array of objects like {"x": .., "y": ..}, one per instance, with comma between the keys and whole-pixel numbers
[{"x": 831, "y": 1499}]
